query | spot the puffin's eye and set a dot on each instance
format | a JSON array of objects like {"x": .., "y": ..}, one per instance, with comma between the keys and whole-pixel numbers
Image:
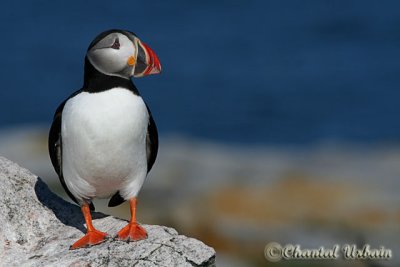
[{"x": 116, "y": 44}]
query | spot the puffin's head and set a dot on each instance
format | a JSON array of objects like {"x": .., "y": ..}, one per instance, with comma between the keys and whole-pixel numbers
[{"x": 121, "y": 53}]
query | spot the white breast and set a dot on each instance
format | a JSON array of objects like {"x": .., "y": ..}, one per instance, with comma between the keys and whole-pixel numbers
[{"x": 104, "y": 143}]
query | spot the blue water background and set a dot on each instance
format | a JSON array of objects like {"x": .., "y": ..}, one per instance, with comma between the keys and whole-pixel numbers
[{"x": 270, "y": 72}]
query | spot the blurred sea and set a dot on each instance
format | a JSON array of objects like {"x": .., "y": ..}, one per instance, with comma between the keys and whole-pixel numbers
[
  {"x": 278, "y": 120},
  {"x": 282, "y": 72}
]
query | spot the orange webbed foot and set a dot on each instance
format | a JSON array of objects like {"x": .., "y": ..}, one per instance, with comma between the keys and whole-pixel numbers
[
  {"x": 91, "y": 238},
  {"x": 132, "y": 232}
]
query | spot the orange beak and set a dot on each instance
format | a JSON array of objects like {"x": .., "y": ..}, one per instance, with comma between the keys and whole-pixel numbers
[{"x": 147, "y": 61}]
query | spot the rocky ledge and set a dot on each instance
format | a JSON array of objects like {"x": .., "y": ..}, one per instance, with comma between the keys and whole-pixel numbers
[{"x": 37, "y": 228}]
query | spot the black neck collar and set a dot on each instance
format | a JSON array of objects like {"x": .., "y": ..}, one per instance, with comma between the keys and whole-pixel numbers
[{"x": 95, "y": 81}]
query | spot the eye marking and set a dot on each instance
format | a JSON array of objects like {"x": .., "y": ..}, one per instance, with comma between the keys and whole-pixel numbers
[{"x": 116, "y": 44}]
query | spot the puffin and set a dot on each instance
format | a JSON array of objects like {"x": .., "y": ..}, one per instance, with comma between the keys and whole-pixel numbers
[{"x": 103, "y": 140}]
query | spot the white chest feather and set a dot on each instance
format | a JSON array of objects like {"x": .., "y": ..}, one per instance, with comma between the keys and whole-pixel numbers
[{"x": 104, "y": 143}]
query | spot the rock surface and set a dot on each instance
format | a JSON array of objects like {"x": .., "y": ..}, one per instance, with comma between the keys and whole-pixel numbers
[{"x": 37, "y": 228}]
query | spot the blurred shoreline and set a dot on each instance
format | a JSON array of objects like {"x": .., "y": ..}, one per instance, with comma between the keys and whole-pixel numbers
[{"x": 228, "y": 195}]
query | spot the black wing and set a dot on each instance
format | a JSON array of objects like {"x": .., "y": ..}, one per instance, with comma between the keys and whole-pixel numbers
[
  {"x": 55, "y": 147},
  {"x": 151, "y": 152},
  {"x": 151, "y": 142}
]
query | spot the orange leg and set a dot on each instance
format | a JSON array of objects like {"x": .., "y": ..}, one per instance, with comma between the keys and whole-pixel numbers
[
  {"x": 93, "y": 236},
  {"x": 133, "y": 231}
]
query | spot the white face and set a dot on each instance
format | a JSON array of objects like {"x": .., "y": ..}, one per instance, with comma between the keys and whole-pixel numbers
[{"x": 114, "y": 55}]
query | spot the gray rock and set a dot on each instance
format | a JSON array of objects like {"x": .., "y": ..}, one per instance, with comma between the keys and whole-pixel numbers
[{"x": 37, "y": 228}]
